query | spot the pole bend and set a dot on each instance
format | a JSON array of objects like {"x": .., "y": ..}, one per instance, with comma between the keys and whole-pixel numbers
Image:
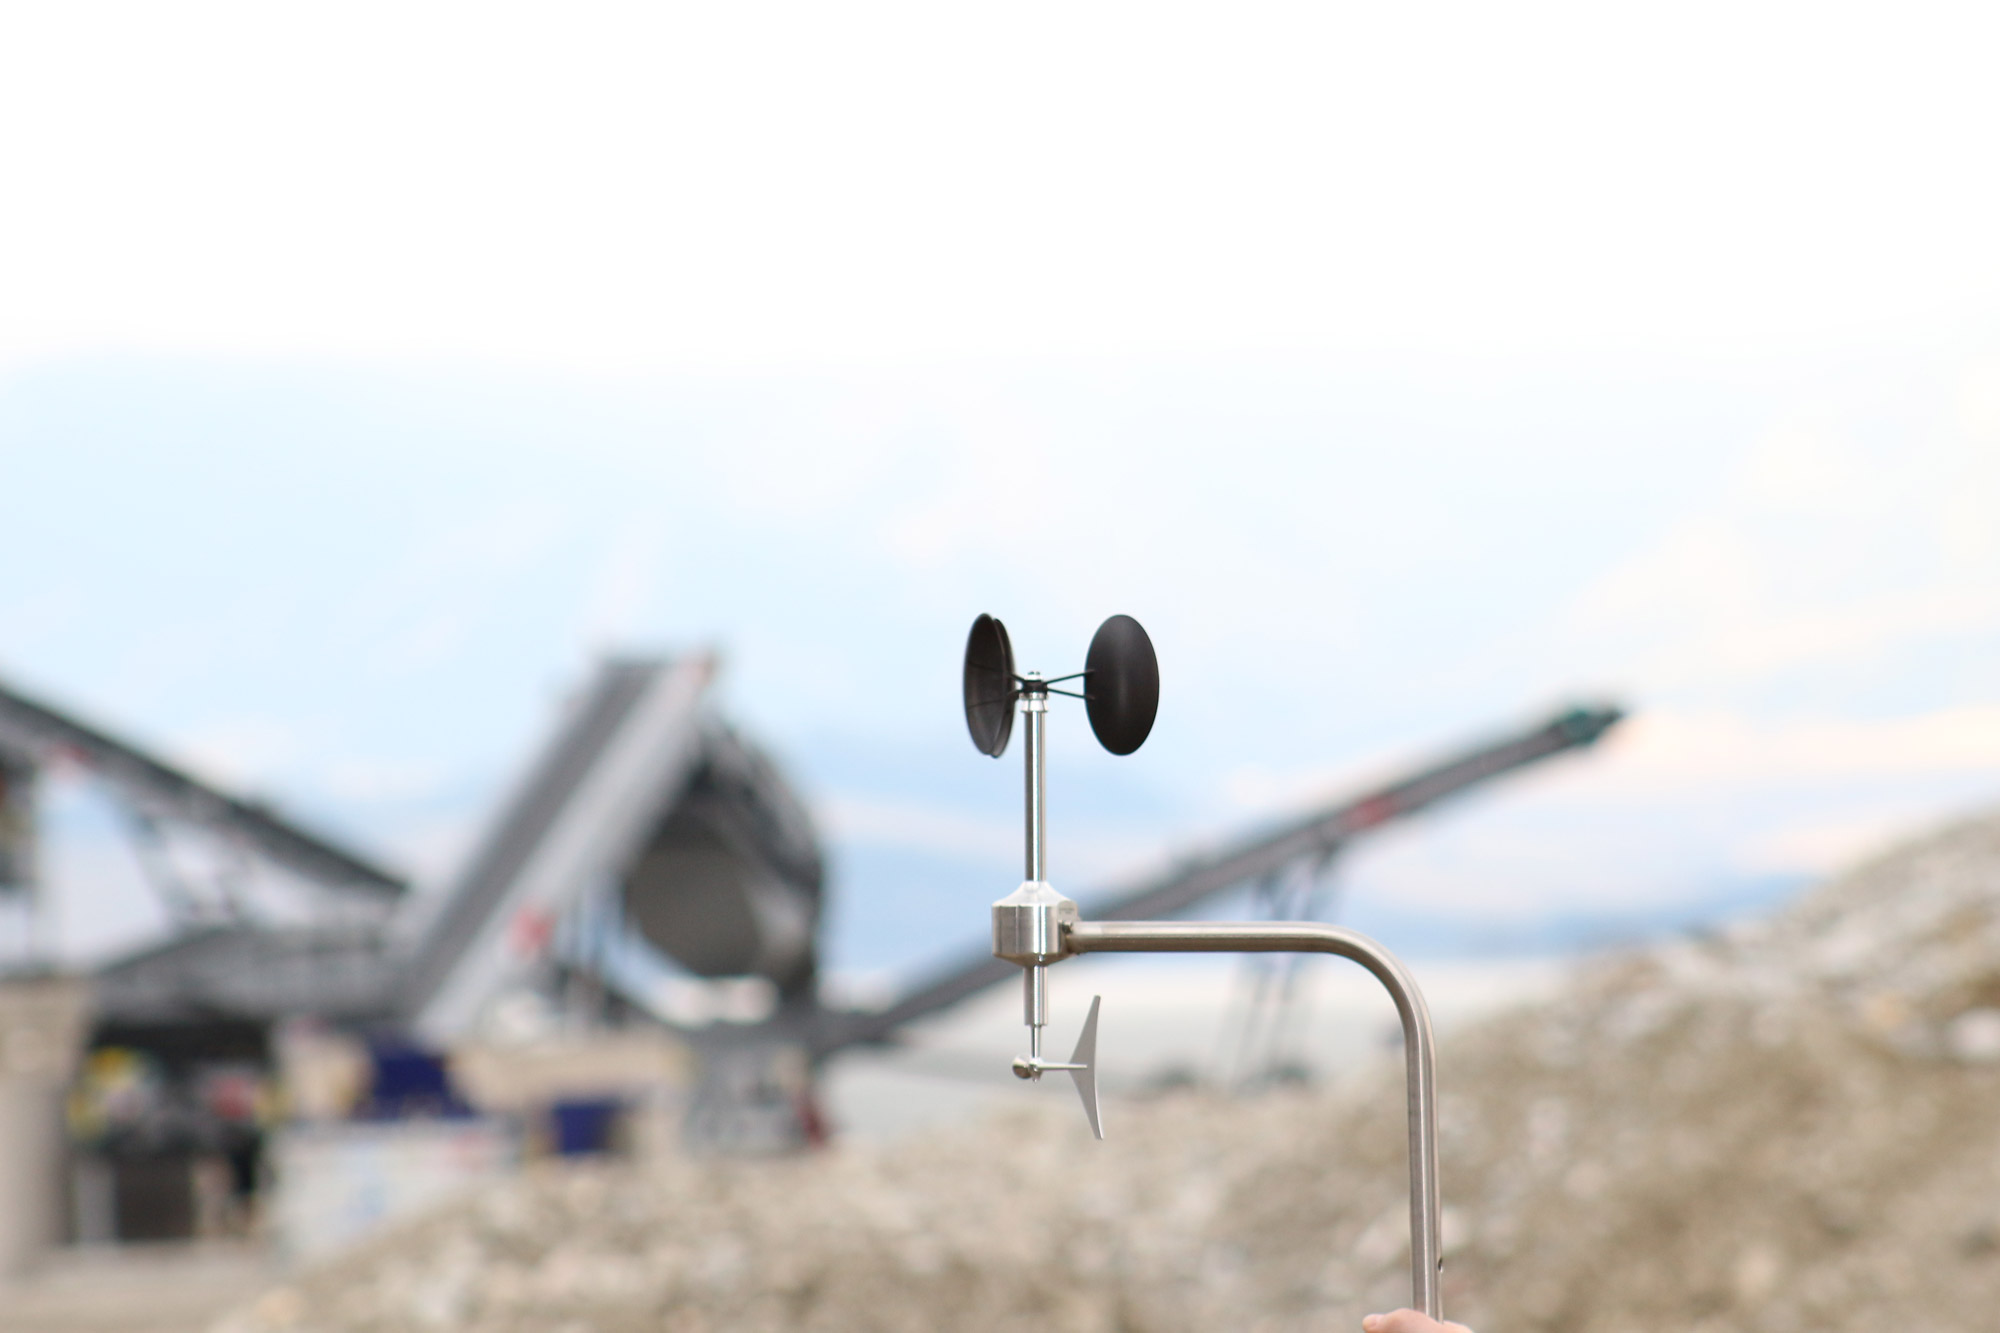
[{"x": 1419, "y": 1046}]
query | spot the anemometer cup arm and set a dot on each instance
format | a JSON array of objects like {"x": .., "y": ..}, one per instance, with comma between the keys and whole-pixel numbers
[{"x": 1419, "y": 1046}]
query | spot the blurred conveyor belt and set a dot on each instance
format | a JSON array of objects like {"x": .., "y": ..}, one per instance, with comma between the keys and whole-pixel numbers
[
  {"x": 159, "y": 790},
  {"x": 1312, "y": 839}
]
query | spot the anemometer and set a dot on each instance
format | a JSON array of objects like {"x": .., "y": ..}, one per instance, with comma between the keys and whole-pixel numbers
[{"x": 1035, "y": 926}]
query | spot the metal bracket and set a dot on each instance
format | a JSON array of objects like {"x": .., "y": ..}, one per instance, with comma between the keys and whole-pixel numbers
[{"x": 1419, "y": 1043}]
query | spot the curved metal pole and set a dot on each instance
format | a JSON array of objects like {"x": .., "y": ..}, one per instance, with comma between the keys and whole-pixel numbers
[{"x": 1419, "y": 1053}]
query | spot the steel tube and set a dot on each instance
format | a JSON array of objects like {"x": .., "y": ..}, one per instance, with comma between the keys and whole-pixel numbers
[
  {"x": 1419, "y": 1046},
  {"x": 1035, "y": 983},
  {"x": 1036, "y": 708}
]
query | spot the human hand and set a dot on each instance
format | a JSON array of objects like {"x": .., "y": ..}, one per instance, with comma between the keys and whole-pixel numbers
[{"x": 1408, "y": 1321}]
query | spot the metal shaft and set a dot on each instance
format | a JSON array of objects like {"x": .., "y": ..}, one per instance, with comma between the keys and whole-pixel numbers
[
  {"x": 1036, "y": 1003},
  {"x": 1419, "y": 1047},
  {"x": 1035, "y": 704}
]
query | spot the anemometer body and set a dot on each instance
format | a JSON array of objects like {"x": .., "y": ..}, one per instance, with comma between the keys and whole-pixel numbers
[{"x": 1036, "y": 926}]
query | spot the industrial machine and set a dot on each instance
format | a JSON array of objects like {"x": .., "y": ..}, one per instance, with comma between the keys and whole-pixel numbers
[
  {"x": 1035, "y": 926},
  {"x": 649, "y": 835},
  {"x": 648, "y": 807},
  {"x": 651, "y": 871},
  {"x": 266, "y": 920}
]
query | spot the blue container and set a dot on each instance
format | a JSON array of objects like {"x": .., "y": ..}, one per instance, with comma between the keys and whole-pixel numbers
[{"x": 584, "y": 1127}]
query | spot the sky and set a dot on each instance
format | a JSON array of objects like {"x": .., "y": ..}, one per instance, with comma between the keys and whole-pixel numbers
[{"x": 365, "y": 374}]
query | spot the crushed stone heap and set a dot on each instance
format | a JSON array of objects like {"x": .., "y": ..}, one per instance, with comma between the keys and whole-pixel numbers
[{"x": 1791, "y": 1126}]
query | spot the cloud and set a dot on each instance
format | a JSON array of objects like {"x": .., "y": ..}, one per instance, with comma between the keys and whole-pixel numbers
[
  {"x": 377, "y": 780},
  {"x": 638, "y": 186},
  {"x": 1664, "y": 752},
  {"x": 919, "y": 827},
  {"x": 1979, "y": 401},
  {"x": 1823, "y": 846},
  {"x": 245, "y": 751},
  {"x": 1662, "y": 755},
  {"x": 619, "y": 594},
  {"x": 1671, "y": 808},
  {"x": 1845, "y": 535}
]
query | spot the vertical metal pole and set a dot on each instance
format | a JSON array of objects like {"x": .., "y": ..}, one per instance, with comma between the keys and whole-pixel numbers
[
  {"x": 1035, "y": 704},
  {"x": 1419, "y": 1045},
  {"x": 1036, "y": 1003}
]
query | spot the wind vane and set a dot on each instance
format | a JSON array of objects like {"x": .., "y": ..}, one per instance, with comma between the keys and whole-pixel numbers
[{"x": 1036, "y": 926}]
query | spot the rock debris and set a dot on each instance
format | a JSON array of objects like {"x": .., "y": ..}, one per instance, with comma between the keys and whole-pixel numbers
[{"x": 1793, "y": 1125}]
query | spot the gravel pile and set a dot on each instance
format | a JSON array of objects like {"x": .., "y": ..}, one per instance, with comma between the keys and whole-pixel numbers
[{"x": 1793, "y": 1126}]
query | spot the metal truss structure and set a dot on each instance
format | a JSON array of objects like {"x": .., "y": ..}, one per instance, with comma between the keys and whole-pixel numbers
[{"x": 645, "y": 829}]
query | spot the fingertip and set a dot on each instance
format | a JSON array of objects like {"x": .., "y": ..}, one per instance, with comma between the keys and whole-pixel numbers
[{"x": 1371, "y": 1323}]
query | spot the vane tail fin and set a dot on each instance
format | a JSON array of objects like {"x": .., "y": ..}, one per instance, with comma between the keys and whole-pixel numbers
[{"x": 1085, "y": 1075}]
